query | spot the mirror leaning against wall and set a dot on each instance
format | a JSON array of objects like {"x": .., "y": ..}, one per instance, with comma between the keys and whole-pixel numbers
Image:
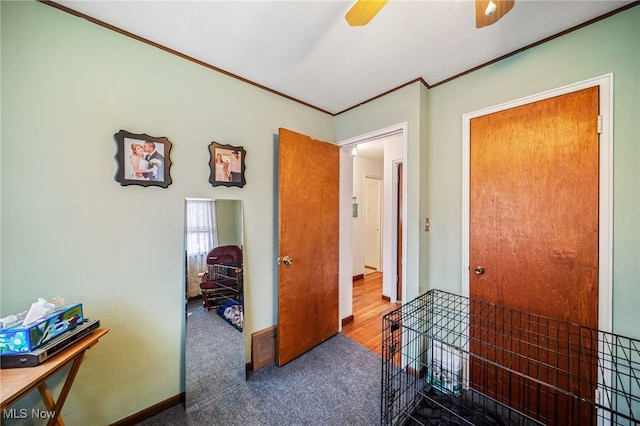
[{"x": 214, "y": 295}]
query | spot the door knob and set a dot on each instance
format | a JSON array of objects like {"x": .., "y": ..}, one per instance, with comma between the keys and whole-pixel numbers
[
  {"x": 479, "y": 270},
  {"x": 287, "y": 260}
]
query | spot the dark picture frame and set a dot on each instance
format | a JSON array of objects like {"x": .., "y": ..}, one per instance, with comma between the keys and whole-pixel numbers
[
  {"x": 227, "y": 165},
  {"x": 142, "y": 159}
]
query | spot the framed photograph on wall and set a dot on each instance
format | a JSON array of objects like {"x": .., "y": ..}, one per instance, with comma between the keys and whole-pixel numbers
[
  {"x": 226, "y": 164},
  {"x": 142, "y": 159}
]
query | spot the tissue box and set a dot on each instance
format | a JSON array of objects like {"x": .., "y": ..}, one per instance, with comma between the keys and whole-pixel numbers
[{"x": 19, "y": 338}]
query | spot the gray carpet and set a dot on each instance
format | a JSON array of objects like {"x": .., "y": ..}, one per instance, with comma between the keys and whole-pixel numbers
[
  {"x": 214, "y": 355},
  {"x": 336, "y": 383}
]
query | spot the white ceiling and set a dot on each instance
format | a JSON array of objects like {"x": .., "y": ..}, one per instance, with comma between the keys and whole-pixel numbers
[
  {"x": 304, "y": 49},
  {"x": 373, "y": 150}
]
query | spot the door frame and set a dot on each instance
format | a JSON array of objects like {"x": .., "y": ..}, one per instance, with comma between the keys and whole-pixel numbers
[
  {"x": 346, "y": 202},
  {"x": 605, "y": 208}
]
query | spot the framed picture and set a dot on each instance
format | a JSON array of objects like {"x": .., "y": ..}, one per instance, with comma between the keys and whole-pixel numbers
[
  {"x": 226, "y": 164},
  {"x": 142, "y": 159}
]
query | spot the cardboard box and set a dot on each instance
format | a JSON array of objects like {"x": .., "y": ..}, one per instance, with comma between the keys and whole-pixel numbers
[{"x": 19, "y": 338}]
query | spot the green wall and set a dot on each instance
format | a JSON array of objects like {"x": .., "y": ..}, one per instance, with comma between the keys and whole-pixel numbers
[
  {"x": 229, "y": 222},
  {"x": 434, "y": 152},
  {"x": 608, "y": 46},
  {"x": 68, "y": 229}
]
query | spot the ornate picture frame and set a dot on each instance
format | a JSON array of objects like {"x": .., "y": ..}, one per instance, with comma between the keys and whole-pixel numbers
[
  {"x": 227, "y": 165},
  {"x": 142, "y": 159}
]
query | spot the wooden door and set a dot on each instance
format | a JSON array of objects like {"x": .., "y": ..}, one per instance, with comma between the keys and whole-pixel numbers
[
  {"x": 534, "y": 225},
  {"x": 308, "y": 213},
  {"x": 399, "y": 229}
]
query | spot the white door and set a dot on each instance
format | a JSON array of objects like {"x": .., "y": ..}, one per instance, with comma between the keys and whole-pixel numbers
[{"x": 372, "y": 222}]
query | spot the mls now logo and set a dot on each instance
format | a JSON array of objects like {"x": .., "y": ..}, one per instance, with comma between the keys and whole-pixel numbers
[{"x": 23, "y": 413}]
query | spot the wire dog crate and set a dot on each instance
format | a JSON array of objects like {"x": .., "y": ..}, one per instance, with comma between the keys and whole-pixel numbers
[{"x": 449, "y": 359}]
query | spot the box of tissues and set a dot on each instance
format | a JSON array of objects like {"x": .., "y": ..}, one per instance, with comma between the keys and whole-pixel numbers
[{"x": 24, "y": 336}]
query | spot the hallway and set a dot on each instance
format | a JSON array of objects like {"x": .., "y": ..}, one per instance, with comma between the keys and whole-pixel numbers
[{"x": 368, "y": 310}]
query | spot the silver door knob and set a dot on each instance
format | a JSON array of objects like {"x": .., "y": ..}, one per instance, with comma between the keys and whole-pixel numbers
[
  {"x": 479, "y": 270},
  {"x": 287, "y": 260}
]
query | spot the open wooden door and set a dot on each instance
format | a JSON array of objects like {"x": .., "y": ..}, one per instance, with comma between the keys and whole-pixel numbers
[
  {"x": 399, "y": 258},
  {"x": 308, "y": 234}
]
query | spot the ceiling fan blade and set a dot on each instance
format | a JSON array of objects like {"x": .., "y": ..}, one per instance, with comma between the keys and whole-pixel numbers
[
  {"x": 363, "y": 11},
  {"x": 502, "y": 7}
]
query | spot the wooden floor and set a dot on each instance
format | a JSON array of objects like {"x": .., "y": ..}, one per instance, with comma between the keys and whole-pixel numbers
[{"x": 368, "y": 309}]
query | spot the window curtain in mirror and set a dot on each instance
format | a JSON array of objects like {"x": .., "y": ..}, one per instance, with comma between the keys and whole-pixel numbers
[{"x": 201, "y": 236}]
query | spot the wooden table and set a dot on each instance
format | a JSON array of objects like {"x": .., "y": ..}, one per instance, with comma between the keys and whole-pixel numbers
[{"x": 18, "y": 382}]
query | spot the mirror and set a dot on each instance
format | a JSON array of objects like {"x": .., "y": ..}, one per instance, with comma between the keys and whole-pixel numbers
[{"x": 214, "y": 352}]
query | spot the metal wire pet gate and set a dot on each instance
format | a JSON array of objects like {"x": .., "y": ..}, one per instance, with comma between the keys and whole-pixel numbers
[{"x": 448, "y": 359}]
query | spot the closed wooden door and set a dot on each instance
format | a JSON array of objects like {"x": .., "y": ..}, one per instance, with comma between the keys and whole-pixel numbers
[
  {"x": 308, "y": 218},
  {"x": 534, "y": 225}
]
